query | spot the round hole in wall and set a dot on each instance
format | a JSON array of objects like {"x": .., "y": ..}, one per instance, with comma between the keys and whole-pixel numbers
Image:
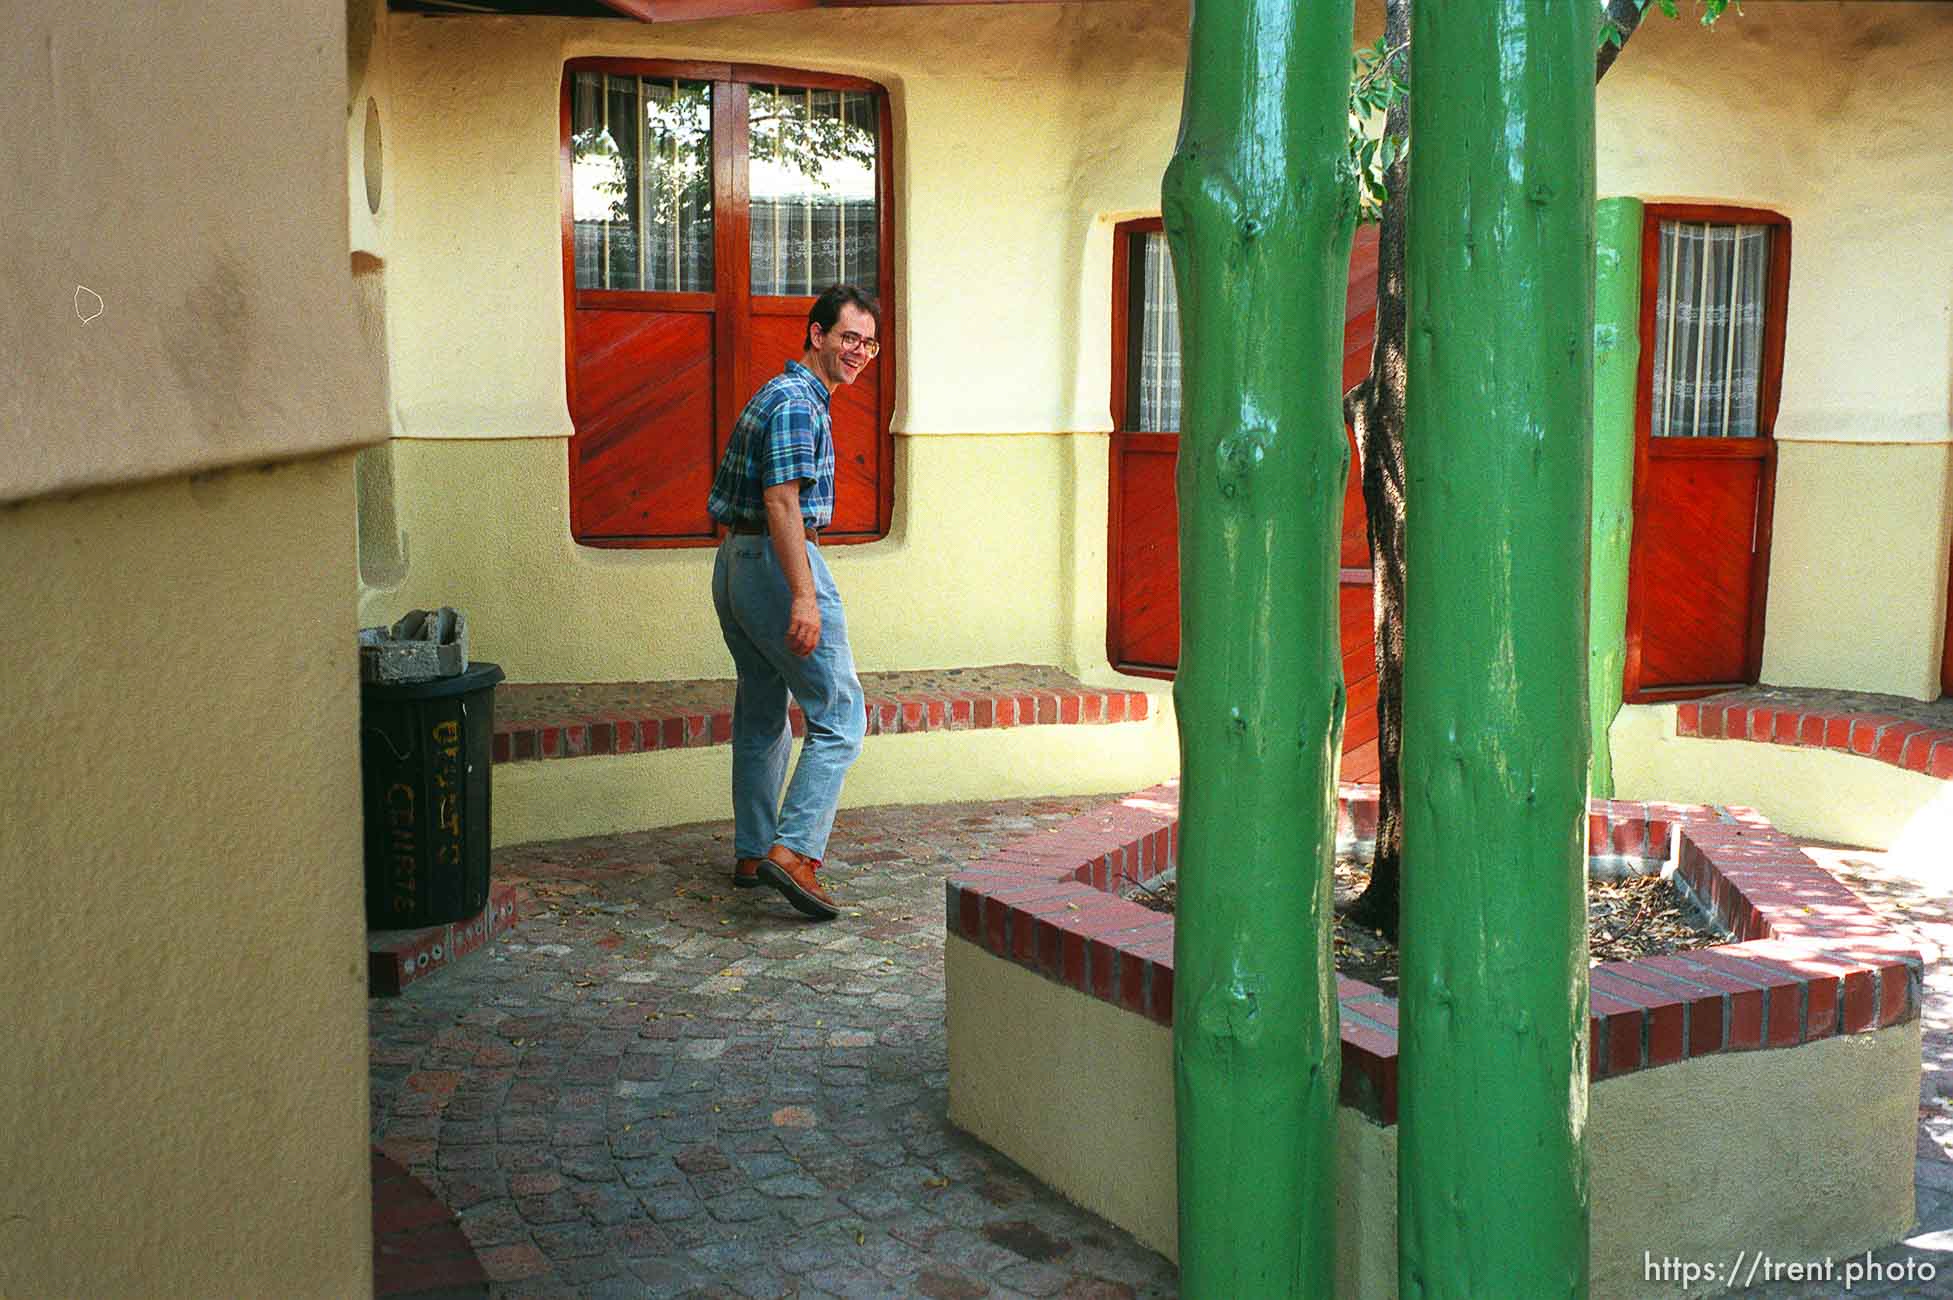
[{"x": 372, "y": 157}]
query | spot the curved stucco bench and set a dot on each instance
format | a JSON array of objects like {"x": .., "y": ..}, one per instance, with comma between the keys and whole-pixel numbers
[
  {"x": 591, "y": 758},
  {"x": 1848, "y": 767}
]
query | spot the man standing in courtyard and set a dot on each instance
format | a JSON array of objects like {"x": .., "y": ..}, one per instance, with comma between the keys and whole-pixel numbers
[{"x": 780, "y": 612}]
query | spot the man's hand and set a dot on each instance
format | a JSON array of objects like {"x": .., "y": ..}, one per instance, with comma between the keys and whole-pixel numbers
[
  {"x": 789, "y": 537},
  {"x": 804, "y": 626}
]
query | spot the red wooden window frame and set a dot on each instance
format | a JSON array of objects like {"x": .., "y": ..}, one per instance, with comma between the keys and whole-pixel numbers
[
  {"x": 1359, "y": 334},
  {"x": 1946, "y": 654},
  {"x": 1648, "y": 449},
  {"x": 1124, "y": 439},
  {"x": 732, "y": 302}
]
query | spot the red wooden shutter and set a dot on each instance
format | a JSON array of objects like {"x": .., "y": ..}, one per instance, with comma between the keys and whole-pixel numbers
[
  {"x": 657, "y": 379},
  {"x": 1143, "y": 571}
]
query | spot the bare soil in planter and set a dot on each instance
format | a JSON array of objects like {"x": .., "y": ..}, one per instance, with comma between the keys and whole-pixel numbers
[{"x": 1638, "y": 916}]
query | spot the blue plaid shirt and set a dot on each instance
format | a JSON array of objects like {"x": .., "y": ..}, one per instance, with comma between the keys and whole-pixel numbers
[{"x": 785, "y": 433}]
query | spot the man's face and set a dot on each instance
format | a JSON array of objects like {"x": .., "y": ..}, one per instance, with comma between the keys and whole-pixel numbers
[{"x": 842, "y": 353}]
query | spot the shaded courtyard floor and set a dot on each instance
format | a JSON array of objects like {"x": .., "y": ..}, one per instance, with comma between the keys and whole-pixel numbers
[{"x": 659, "y": 1085}]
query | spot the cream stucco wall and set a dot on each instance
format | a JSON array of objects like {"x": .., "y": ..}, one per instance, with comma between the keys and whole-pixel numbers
[
  {"x": 188, "y": 354},
  {"x": 183, "y": 1082},
  {"x": 1008, "y": 185},
  {"x": 1834, "y": 115},
  {"x": 1023, "y": 134},
  {"x": 1799, "y": 1154},
  {"x": 175, "y": 243},
  {"x": 990, "y": 115},
  {"x": 978, "y": 568},
  {"x": 1858, "y": 564}
]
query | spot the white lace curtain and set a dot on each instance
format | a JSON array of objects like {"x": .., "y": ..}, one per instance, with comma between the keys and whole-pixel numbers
[
  {"x": 1709, "y": 329},
  {"x": 1159, "y": 342}
]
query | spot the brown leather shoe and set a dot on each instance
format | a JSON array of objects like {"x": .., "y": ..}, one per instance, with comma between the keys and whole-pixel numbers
[
  {"x": 794, "y": 877},
  {"x": 745, "y": 874}
]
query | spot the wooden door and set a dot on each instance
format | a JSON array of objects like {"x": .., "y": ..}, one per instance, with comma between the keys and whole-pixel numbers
[
  {"x": 1714, "y": 285},
  {"x": 1143, "y": 572}
]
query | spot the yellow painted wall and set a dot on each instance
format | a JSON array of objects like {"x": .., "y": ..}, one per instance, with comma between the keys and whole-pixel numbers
[
  {"x": 973, "y": 571},
  {"x": 1801, "y": 1153},
  {"x": 988, "y": 120},
  {"x": 997, "y": 553},
  {"x": 182, "y": 1002},
  {"x": 174, "y": 252},
  {"x": 1858, "y": 565},
  {"x": 1834, "y": 115},
  {"x": 1023, "y": 134},
  {"x": 183, "y": 1082}
]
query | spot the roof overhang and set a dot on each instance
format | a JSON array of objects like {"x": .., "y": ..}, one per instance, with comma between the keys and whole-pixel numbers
[{"x": 657, "y": 11}]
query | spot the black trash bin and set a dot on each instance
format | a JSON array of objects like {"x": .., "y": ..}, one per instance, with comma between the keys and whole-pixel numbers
[{"x": 424, "y": 750}]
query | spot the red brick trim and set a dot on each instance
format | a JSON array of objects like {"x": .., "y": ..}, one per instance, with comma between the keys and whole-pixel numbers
[
  {"x": 1914, "y": 746},
  {"x": 519, "y": 742},
  {"x": 1807, "y": 960},
  {"x": 396, "y": 958}
]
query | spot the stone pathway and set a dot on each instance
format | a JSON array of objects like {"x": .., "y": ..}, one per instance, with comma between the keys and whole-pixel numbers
[
  {"x": 662, "y": 1086},
  {"x": 1913, "y": 894}
]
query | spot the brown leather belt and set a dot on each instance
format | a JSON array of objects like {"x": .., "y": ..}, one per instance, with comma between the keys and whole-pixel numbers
[{"x": 761, "y": 530}]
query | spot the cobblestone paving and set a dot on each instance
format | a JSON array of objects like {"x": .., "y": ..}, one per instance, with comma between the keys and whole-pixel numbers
[
  {"x": 660, "y": 1085},
  {"x": 1910, "y": 891},
  {"x": 663, "y": 1086}
]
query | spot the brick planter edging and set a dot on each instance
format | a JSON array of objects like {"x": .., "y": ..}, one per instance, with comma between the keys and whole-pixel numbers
[
  {"x": 1913, "y": 746},
  {"x": 887, "y": 716},
  {"x": 1807, "y": 960}
]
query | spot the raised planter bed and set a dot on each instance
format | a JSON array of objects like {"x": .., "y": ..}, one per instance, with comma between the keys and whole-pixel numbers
[{"x": 1757, "y": 1095}]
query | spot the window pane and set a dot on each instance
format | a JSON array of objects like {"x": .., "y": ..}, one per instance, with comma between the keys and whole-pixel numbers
[
  {"x": 641, "y": 161},
  {"x": 1155, "y": 320},
  {"x": 1709, "y": 297},
  {"x": 812, "y": 177}
]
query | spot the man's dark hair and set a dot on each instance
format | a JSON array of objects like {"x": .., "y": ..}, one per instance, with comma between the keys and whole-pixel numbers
[{"x": 827, "y": 309}]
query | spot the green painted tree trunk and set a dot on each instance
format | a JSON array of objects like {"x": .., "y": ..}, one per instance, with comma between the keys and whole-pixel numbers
[
  {"x": 1492, "y": 1177},
  {"x": 1259, "y": 209},
  {"x": 1617, "y": 358}
]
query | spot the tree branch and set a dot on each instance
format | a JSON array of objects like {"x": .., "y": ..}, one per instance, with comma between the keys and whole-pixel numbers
[{"x": 1625, "y": 15}]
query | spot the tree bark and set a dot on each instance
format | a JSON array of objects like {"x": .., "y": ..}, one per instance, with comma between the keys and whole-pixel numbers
[
  {"x": 1626, "y": 16},
  {"x": 1375, "y": 410},
  {"x": 1259, "y": 209}
]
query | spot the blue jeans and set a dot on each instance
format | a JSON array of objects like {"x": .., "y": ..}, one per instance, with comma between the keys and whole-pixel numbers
[{"x": 751, "y": 596}]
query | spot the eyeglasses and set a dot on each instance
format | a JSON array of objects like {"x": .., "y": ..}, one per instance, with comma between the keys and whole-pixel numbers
[{"x": 853, "y": 342}]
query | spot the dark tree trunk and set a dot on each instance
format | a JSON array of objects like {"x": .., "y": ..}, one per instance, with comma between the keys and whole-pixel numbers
[
  {"x": 1375, "y": 410},
  {"x": 1626, "y": 16}
]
